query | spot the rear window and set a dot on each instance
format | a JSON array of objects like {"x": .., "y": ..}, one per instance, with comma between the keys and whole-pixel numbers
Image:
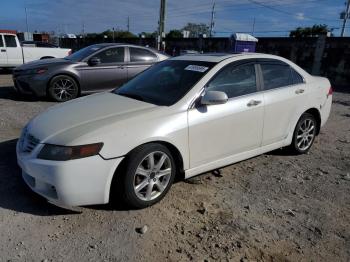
[
  {"x": 276, "y": 75},
  {"x": 141, "y": 55},
  {"x": 297, "y": 78},
  {"x": 10, "y": 41}
]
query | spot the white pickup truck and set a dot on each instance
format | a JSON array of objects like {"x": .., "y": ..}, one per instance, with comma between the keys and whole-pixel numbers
[{"x": 12, "y": 54}]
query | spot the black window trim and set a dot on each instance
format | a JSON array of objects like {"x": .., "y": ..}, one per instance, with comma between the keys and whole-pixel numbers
[
  {"x": 270, "y": 61},
  {"x": 130, "y": 63}
]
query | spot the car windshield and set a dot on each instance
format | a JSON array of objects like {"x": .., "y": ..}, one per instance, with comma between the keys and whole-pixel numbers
[
  {"x": 83, "y": 53},
  {"x": 165, "y": 83}
]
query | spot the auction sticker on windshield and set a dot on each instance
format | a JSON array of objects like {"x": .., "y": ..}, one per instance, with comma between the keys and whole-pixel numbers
[{"x": 196, "y": 68}]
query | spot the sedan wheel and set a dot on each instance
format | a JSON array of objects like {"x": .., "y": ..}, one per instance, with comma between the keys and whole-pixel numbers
[
  {"x": 304, "y": 134},
  {"x": 63, "y": 88},
  {"x": 152, "y": 176},
  {"x": 147, "y": 176}
]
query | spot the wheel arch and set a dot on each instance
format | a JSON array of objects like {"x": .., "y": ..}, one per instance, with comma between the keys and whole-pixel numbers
[
  {"x": 46, "y": 57},
  {"x": 317, "y": 115},
  {"x": 180, "y": 173}
]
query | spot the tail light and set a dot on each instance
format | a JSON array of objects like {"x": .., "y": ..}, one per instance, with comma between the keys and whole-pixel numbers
[{"x": 330, "y": 91}]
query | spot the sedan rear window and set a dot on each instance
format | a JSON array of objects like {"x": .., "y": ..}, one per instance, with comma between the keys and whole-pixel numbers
[
  {"x": 165, "y": 83},
  {"x": 276, "y": 75},
  {"x": 141, "y": 55}
]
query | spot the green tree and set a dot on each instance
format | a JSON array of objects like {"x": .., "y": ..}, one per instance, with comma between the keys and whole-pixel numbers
[
  {"x": 174, "y": 34},
  {"x": 315, "y": 30},
  {"x": 149, "y": 35},
  {"x": 196, "y": 29}
]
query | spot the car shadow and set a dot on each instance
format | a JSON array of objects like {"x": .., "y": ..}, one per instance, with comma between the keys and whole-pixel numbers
[
  {"x": 7, "y": 92},
  {"x": 15, "y": 195}
]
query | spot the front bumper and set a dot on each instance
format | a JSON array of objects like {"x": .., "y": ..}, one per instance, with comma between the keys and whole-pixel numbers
[
  {"x": 30, "y": 84},
  {"x": 77, "y": 182}
]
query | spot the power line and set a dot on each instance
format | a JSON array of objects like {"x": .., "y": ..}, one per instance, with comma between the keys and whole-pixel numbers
[{"x": 285, "y": 12}]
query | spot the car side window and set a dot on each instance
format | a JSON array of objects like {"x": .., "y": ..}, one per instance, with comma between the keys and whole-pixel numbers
[
  {"x": 297, "y": 78},
  {"x": 276, "y": 75},
  {"x": 235, "y": 80},
  {"x": 1, "y": 42},
  {"x": 111, "y": 55},
  {"x": 141, "y": 55},
  {"x": 10, "y": 41}
]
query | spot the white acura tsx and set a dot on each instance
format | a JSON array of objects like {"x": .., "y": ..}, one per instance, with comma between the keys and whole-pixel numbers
[{"x": 182, "y": 117}]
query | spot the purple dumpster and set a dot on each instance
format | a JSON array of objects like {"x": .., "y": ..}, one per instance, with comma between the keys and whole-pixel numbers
[{"x": 243, "y": 42}]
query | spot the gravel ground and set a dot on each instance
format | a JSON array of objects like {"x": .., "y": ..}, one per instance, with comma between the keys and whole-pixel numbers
[{"x": 275, "y": 207}]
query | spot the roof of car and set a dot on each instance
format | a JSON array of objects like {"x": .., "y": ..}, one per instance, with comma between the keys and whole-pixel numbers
[
  {"x": 218, "y": 57},
  {"x": 124, "y": 44}
]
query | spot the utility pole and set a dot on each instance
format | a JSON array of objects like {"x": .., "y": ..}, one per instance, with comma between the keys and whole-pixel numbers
[
  {"x": 161, "y": 32},
  {"x": 128, "y": 24},
  {"x": 212, "y": 22},
  {"x": 346, "y": 16},
  {"x": 113, "y": 34},
  {"x": 253, "y": 26},
  {"x": 25, "y": 10}
]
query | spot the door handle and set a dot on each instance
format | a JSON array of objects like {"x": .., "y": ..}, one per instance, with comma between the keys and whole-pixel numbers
[
  {"x": 3, "y": 50},
  {"x": 253, "y": 103},
  {"x": 299, "y": 91},
  {"x": 121, "y": 67}
]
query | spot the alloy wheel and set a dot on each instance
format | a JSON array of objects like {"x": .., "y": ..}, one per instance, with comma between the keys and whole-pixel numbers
[
  {"x": 152, "y": 176},
  {"x": 305, "y": 134},
  {"x": 64, "y": 89}
]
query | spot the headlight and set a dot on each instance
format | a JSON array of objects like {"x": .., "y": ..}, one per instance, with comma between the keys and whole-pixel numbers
[
  {"x": 63, "y": 153},
  {"x": 36, "y": 71}
]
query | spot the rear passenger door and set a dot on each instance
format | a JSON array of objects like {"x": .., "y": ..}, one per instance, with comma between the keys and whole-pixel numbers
[
  {"x": 139, "y": 60},
  {"x": 284, "y": 91}
]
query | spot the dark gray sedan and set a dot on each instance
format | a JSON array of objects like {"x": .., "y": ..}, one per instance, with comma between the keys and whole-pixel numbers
[{"x": 94, "y": 68}]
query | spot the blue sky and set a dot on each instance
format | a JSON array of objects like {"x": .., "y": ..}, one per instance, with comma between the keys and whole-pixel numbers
[{"x": 272, "y": 17}]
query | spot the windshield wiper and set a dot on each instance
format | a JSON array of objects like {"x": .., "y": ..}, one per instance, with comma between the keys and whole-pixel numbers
[{"x": 134, "y": 96}]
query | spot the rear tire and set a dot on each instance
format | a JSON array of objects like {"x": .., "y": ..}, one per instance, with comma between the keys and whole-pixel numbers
[
  {"x": 147, "y": 177},
  {"x": 63, "y": 88},
  {"x": 304, "y": 134}
]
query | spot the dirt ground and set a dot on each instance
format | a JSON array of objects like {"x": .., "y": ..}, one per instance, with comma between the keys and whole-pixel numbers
[{"x": 275, "y": 207}]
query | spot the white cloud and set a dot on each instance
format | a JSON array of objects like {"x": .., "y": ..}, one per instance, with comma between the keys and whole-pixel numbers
[{"x": 300, "y": 16}]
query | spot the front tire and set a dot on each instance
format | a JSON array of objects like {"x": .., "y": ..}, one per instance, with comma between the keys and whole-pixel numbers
[
  {"x": 147, "y": 177},
  {"x": 63, "y": 88},
  {"x": 304, "y": 134}
]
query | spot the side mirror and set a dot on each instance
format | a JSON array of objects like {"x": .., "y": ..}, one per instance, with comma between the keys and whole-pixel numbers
[
  {"x": 214, "y": 98},
  {"x": 94, "y": 61}
]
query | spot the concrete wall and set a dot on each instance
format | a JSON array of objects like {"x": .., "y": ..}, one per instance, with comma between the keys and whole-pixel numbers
[{"x": 325, "y": 56}]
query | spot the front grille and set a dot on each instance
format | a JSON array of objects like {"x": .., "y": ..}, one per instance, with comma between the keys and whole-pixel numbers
[{"x": 27, "y": 142}]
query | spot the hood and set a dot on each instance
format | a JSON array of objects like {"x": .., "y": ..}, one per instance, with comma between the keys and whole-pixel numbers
[
  {"x": 43, "y": 63},
  {"x": 69, "y": 121}
]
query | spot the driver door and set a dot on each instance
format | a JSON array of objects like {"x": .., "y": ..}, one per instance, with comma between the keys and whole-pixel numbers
[
  {"x": 3, "y": 55},
  {"x": 109, "y": 74},
  {"x": 219, "y": 132}
]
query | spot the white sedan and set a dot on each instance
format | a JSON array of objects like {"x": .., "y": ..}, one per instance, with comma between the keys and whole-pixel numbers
[{"x": 182, "y": 117}]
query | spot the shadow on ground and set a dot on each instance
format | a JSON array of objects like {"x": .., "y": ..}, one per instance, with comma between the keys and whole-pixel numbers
[
  {"x": 7, "y": 92},
  {"x": 15, "y": 195}
]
